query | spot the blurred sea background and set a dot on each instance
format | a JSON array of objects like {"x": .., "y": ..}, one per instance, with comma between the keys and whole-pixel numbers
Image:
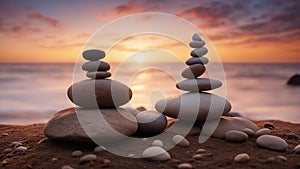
[{"x": 31, "y": 93}]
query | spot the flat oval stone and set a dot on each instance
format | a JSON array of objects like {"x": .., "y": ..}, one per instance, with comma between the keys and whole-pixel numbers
[
  {"x": 93, "y": 54},
  {"x": 197, "y": 60},
  {"x": 20, "y": 149},
  {"x": 197, "y": 85},
  {"x": 263, "y": 131},
  {"x": 196, "y": 37},
  {"x": 297, "y": 149},
  {"x": 180, "y": 140},
  {"x": 151, "y": 123},
  {"x": 242, "y": 158},
  {"x": 95, "y": 66},
  {"x": 76, "y": 153},
  {"x": 190, "y": 106},
  {"x": 98, "y": 75},
  {"x": 198, "y": 52},
  {"x": 65, "y": 125},
  {"x": 193, "y": 71},
  {"x": 157, "y": 143},
  {"x": 88, "y": 158},
  {"x": 236, "y": 136},
  {"x": 99, "y": 93},
  {"x": 197, "y": 44},
  {"x": 269, "y": 125},
  {"x": 185, "y": 166},
  {"x": 156, "y": 153},
  {"x": 249, "y": 132},
  {"x": 272, "y": 142},
  {"x": 232, "y": 123}
]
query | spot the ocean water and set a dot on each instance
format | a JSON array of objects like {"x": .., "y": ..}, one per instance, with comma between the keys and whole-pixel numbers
[{"x": 31, "y": 93}]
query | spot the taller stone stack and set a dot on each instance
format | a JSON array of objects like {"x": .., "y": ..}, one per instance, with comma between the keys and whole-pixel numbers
[
  {"x": 196, "y": 104},
  {"x": 93, "y": 96}
]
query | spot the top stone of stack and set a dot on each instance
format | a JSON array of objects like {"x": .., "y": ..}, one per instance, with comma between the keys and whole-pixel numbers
[{"x": 93, "y": 54}]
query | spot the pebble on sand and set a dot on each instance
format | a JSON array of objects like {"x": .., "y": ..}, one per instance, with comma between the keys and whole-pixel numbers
[
  {"x": 198, "y": 156},
  {"x": 249, "y": 132},
  {"x": 269, "y": 125},
  {"x": 4, "y": 162},
  {"x": 156, "y": 153},
  {"x": 6, "y": 151},
  {"x": 263, "y": 131},
  {"x": 200, "y": 150},
  {"x": 67, "y": 167},
  {"x": 87, "y": 158},
  {"x": 158, "y": 143},
  {"x": 42, "y": 141},
  {"x": 54, "y": 160},
  {"x": 184, "y": 166},
  {"x": 282, "y": 158},
  {"x": 293, "y": 136},
  {"x": 180, "y": 140},
  {"x": 272, "y": 142},
  {"x": 99, "y": 149},
  {"x": 20, "y": 149},
  {"x": 242, "y": 158},
  {"x": 76, "y": 153},
  {"x": 4, "y": 134},
  {"x": 297, "y": 149},
  {"x": 236, "y": 136}
]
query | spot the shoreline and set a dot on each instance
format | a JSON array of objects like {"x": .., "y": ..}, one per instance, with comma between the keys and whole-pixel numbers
[{"x": 219, "y": 153}]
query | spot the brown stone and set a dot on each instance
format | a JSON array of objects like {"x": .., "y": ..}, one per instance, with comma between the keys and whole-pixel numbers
[
  {"x": 95, "y": 66},
  {"x": 98, "y": 75}
]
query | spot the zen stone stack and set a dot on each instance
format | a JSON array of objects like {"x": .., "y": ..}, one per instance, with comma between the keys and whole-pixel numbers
[{"x": 98, "y": 99}]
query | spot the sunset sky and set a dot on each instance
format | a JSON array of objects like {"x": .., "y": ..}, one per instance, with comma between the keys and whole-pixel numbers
[{"x": 241, "y": 31}]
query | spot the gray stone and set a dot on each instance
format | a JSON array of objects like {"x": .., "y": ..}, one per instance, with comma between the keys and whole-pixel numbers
[
  {"x": 88, "y": 158},
  {"x": 99, "y": 149},
  {"x": 292, "y": 136},
  {"x": 76, "y": 153},
  {"x": 16, "y": 144},
  {"x": 157, "y": 143},
  {"x": 242, "y": 158},
  {"x": 196, "y": 37},
  {"x": 20, "y": 149},
  {"x": 249, "y": 132},
  {"x": 184, "y": 166},
  {"x": 196, "y": 60},
  {"x": 93, "y": 54},
  {"x": 232, "y": 123},
  {"x": 6, "y": 151},
  {"x": 199, "y": 52},
  {"x": 4, "y": 134},
  {"x": 297, "y": 149},
  {"x": 236, "y": 136},
  {"x": 180, "y": 141},
  {"x": 156, "y": 153},
  {"x": 193, "y": 71},
  {"x": 272, "y": 143},
  {"x": 263, "y": 131},
  {"x": 198, "y": 156},
  {"x": 151, "y": 123},
  {"x": 197, "y": 44},
  {"x": 54, "y": 160},
  {"x": 197, "y": 85},
  {"x": 269, "y": 125},
  {"x": 93, "y": 66},
  {"x": 98, "y": 75},
  {"x": 65, "y": 126},
  {"x": 101, "y": 93},
  {"x": 200, "y": 151},
  {"x": 282, "y": 158},
  {"x": 67, "y": 167},
  {"x": 187, "y": 102}
]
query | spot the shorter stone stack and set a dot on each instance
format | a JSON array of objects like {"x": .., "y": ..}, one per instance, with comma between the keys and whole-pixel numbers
[{"x": 98, "y": 115}]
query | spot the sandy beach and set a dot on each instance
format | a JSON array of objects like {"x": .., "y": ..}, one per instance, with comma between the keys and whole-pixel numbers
[{"x": 219, "y": 153}]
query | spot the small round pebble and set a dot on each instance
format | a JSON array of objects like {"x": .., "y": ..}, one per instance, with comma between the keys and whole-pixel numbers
[
  {"x": 282, "y": 158},
  {"x": 200, "y": 150},
  {"x": 95, "y": 66},
  {"x": 158, "y": 143},
  {"x": 16, "y": 143},
  {"x": 156, "y": 153},
  {"x": 76, "y": 153},
  {"x": 242, "y": 158},
  {"x": 297, "y": 149},
  {"x": 99, "y": 149},
  {"x": 184, "y": 166},
  {"x": 93, "y": 54},
  {"x": 54, "y": 160},
  {"x": 180, "y": 140},
  {"x": 269, "y": 125},
  {"x": 42, "y": 140},
  {"x": 272, "y": 142},
  {"x": 4, "y": 162},
  {"x": 87, "y": 158},
  {"x": 293, "y": 136},
  {"x": 106, "y": 162},
  {"x": 263, "y": 131},
  {"x": 67, "y": 167},
  {"x": 20, "y": 149},
  {"x": 236, "y": 136},
  {"x": 196, "y": 37},
  {"x": 249, "y": 132},
  {"x": 197, "y": 44},
  {"x": 198, "y": 156},
  {"x": 130, "y": 155},
  {"x": 6, "y": 151},
  {"x": 4, "y": 134}
]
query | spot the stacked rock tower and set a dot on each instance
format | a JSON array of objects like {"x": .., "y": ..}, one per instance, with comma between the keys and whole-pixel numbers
[
  {"x": 93, "y": 96},
  {"x": 196, "y": 104}
]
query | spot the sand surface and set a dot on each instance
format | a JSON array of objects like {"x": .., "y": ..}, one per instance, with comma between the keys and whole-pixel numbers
[{"x": 219, "y": 153}]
